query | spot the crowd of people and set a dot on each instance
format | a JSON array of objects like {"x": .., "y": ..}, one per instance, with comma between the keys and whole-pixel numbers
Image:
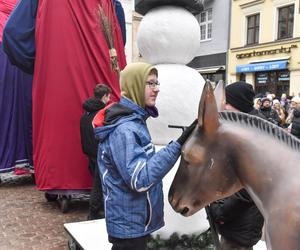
[{"x": 283, "y": 111}]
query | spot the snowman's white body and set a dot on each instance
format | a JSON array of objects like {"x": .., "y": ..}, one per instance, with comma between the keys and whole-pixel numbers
[{"x": 169, "y": 37}]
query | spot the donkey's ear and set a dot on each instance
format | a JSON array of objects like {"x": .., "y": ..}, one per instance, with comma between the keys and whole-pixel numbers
[
  {"x": 207, "y": 112},
  {"x": 219, "y": 93}
]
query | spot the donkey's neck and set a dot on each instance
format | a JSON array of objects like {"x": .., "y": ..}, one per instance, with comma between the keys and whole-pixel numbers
[{"x": 263, "y": 164}]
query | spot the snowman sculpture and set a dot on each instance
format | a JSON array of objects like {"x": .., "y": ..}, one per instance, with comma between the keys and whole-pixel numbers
[{"x": 169, "y": 38}]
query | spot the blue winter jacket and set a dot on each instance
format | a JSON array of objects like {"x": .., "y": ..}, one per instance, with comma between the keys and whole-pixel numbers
[{"x": 132, "y": 173}]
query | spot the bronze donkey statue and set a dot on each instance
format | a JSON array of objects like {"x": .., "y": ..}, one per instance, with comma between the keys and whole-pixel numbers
[{"x": 231, "y": 150}]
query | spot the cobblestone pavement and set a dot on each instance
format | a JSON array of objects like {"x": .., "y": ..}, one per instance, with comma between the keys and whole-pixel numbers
[{"x": 28, "y": 221}]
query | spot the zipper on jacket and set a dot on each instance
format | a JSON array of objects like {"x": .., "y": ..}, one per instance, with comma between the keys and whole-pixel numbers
[
  {"x": 149, "y": 217},
  {"x": 107, "y": 193}
]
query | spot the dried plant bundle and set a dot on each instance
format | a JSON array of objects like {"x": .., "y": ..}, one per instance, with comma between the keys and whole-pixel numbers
[{"x": 106, "y": 28}]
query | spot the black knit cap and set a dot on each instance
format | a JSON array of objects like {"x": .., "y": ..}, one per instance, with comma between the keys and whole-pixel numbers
[
  {"x": 264, "y": 99},
  {"x": 240, "y": 95},
  {"x": 194, "y": 6}
]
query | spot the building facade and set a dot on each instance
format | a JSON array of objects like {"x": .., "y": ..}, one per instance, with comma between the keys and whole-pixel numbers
[
  {"x": 214, "y": 21},
  {"x": 128, "y": 6},
  {"x": 265, "y": 45},
  {"x": 136, "y": 20}
]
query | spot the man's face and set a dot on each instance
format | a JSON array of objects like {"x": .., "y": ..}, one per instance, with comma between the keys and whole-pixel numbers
[
  {"x": 151, "y": 90},
  {"x": 105, "y": 98},
  {"x": 266, "y": 104}
]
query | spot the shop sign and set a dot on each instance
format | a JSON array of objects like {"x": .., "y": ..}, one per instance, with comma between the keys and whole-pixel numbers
[
  {"x": 262, "y": 78},
  {"x": 268, "y": 66},
  {"x": 267, "y": 52},
  {"x": 284, "y": 77}
]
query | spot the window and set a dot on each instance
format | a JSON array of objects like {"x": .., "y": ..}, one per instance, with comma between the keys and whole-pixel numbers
[
  {"x": 205, "y": 19},
  {"x": 285, "y": 22},
  {"x": 252, "y": 29},
  {"x": 214, "y": 78},
  {"x": 276, "y": 82}
]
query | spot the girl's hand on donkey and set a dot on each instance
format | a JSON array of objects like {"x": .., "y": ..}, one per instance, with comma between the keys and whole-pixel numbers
[{"x": 186, "y": 132}]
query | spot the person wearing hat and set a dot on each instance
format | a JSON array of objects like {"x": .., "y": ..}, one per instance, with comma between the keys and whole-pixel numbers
[
  {"x": 237, "y": 218},
  {"x": 131, "y": 170},
  {"x": 240, "y": 97},
  {"x": 269, "y": 113}
]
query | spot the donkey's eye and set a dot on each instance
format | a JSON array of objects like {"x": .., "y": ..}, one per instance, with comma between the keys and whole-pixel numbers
[{"x": 187, "y": 163}]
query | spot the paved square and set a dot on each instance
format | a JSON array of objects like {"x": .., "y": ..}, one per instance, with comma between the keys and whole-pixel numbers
[{"x": 29, "y": 221}]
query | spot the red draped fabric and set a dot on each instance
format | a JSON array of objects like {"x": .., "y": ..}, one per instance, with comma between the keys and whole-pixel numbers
[
  {"x": 6, "y": 6},
  {"x": 71, "y": 58}
]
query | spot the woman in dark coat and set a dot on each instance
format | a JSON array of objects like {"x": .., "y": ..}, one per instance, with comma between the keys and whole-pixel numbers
[{"x": 295, "y": 130}]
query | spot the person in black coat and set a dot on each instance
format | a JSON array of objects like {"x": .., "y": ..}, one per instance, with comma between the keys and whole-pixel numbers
[
  {"x": 237, "y": 219},
  {"x": 295, "y": 129},
  {"x": 269, "y": 113},
  {"x": 90, "y": 145}
]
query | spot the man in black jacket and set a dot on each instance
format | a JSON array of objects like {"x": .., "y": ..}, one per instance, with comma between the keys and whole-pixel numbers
[
  {"x": 295, "y": 128},
  {"x": 90, "y": 146},
  {"x": 269, "y": 113},
  {"x": 237, "y": 218}
]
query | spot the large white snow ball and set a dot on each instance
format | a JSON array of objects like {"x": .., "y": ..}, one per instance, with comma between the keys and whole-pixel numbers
[{"x": 168, "y": 34}]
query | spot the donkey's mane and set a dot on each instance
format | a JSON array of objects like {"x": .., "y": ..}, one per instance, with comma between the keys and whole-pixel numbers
[{"x": 262, "y": 125}]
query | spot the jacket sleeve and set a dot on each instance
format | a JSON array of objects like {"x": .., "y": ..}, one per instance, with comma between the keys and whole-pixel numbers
[
  {"x": 231, "y": 207},
  {"x": 137, "y": 169}
]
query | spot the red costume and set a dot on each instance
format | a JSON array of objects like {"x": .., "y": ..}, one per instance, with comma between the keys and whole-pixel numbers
[{"x": 71, "y": 58}]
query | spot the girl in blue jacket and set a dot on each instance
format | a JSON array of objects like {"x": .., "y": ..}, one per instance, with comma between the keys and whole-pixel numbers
[{"x": 131, "y": 170}]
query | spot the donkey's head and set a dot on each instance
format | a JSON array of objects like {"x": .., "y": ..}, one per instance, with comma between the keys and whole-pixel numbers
[{"x": 205, "y": 173}]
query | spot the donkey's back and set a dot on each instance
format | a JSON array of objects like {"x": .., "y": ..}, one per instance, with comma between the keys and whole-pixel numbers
[{"x": 271, "y": 174}]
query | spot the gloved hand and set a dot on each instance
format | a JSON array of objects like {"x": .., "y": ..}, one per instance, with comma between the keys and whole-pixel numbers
[{"x": 186, "y": 133}]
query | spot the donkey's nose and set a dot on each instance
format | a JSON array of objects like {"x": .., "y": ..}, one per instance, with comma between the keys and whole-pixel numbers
[{"x": 184, "y": 211}]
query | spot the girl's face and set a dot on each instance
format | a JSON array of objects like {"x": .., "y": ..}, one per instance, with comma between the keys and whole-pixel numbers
[
  {"x": 276, "y": 105},
  {"x": 151, "y": 90}
]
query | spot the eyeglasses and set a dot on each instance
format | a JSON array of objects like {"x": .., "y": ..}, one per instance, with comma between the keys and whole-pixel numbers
[{"x": 153, "y": 85}]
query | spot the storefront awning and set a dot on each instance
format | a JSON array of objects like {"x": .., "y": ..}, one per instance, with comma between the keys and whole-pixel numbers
[
  {"x": 210, "y": 69},
  {"x": 267, "y": 66}
]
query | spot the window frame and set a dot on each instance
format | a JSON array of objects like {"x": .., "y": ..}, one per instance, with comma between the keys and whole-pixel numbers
[
  {"x": 255, "y": 29},
  {"x": 207, "y": 24},
  {"x": 279, "y": 21}
]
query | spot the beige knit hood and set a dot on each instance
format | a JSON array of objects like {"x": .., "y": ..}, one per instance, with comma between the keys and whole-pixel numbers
[{"x": 133, "y": 81}]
